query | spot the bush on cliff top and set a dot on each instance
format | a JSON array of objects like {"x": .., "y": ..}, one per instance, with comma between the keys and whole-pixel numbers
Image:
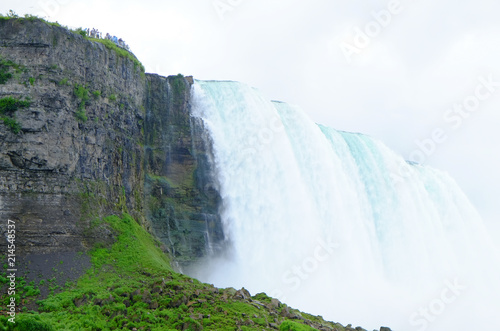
[
  {"x": 108, "y": 43},
  {"x": 120, "y": 51}
]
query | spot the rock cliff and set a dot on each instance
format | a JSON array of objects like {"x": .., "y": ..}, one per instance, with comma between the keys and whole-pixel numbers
[{"x": 91, "y": 135}]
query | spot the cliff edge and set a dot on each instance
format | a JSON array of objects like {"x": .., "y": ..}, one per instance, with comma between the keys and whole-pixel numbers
[{"x": 91, "y": 135}]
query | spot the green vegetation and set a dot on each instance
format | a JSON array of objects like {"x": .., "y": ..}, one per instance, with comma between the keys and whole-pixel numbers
[
  {"x": 81, "y": 32},
  {"x": 23, "y": 290},
  {"x": 82, "y": 94},
  {"x": 112, "y": 46},
  {"x": 5, "y": 72},
  {"x": 63, "y": 82},
  {"x": 12, "y": 124},
  {"x": 32, "y": 81},
  {"x": 112, "y": 97},
  {"x": 295, "y": 326},
  {"x": 5, "y": 75},
  {"x": 81, "y": 115},
  {"x": 120, "y": 51},
  {"x": 96, "y": 94},
  {"x": 8, "y": 106},
  {"x": 132, "y": 285},
  {"x": 178, "y": 89},
  {"x": 11, "y": 14}
]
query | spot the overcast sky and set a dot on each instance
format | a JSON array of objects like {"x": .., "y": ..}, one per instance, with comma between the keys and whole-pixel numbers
[{"x": 400, "y": 71}]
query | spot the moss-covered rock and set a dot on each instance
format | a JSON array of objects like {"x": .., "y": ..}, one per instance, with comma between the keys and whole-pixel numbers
[{"x": 182, "y": 204}]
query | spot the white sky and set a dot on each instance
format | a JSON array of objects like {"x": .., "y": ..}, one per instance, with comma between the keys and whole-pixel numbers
[{"x": 398, "y": 86}]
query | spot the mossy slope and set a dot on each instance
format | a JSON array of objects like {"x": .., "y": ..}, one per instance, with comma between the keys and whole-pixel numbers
[{"x": 131, "y": 285}]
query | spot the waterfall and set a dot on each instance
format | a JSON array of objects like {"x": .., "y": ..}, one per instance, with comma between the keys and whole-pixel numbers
[{"x": 337, "y": 224}]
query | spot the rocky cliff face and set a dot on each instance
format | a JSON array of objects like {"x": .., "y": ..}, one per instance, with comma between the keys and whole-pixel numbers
[
  {"x": 181, "y": 201},
  {"x": 94, "y": 135}
]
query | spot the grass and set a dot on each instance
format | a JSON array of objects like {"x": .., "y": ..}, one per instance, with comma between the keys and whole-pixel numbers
[
  {"x": 114, "y": 47},
  {"x": 131, "y": 284},
  {"x": 294, "y": 326},
  {"x": 120, "y": 51},
  {"x": 28, "y": 17},
  {"x": 23, "y": 290}
]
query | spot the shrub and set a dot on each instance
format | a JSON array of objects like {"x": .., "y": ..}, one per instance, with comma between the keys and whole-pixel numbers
[
  {"x": 81, "y": 115},
  {"x": 4, "y": 76},
  {"x": 12, "y": 124},
  {"x": 31, "y": 18},
  {"x": 81, "y": 92},
  {"x": 81, "y": 32},
  {"x": 10, "y": 104}
]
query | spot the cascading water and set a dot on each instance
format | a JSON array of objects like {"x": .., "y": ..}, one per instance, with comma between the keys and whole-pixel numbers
[{"x": 337, "y": 224}]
